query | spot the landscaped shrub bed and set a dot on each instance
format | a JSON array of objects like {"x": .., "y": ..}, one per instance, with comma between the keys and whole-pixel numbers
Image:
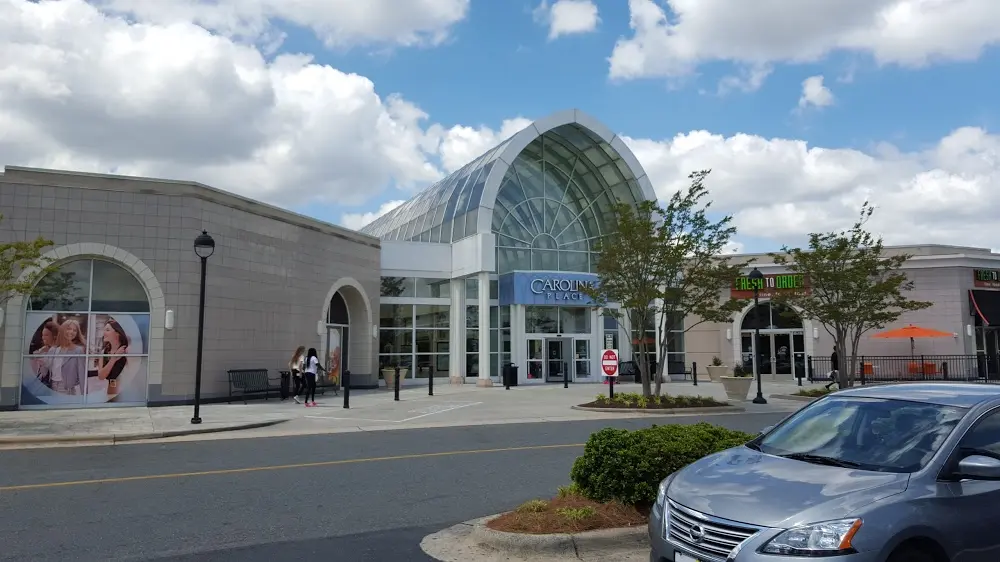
[
  {"x": 568, "y": 512},
  {"x": 665, "y": 402},
  {"x": 813, "y": 392}
]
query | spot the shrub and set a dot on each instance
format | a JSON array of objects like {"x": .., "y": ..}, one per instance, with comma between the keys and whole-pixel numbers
[
  {"x": 628, "y": 466},
  {"x": 533, "y": 506},
  {"x": 568, "y": 491},
  {"x": 577, "y": 513},
  {"x": 716, "y": 362}
]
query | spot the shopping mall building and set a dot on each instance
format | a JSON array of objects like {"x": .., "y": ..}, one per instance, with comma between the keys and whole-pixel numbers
[{"x": 481, "y": 269}]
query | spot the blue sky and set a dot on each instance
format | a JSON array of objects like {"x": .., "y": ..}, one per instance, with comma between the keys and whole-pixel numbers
[{"x": 905, "y": 113}]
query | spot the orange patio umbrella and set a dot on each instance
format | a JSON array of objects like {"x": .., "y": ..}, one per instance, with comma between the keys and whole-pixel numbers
[{"x": 912, "y": 332}]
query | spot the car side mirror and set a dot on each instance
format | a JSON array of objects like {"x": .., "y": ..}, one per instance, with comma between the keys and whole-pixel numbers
[{"x": 979, "y": 467}]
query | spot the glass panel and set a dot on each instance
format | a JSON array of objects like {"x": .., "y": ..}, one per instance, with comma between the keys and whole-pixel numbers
[
  {"x": 472, "y": 317},
  {"x": 535, "y": 350},
  {"x": 432, "y": 341},
  {"x": 494, "y": 289},
  {"x": 115, "y": 289},
  {"x": 494, "y": 341},
  {"x": 610, "y": 322},
  {"x": 541, "y": 319},
  {"x": 574, "y": 320},
  {"x": 67, "y": 288},
  {"x": 471, "y": 289},
  {"x": 494, "y": 317},
  {"x": 431, "y": 315},
  {"x": 395, "y": 341},
  {"x": 494, "y": 365},
  {"x": 427, "y": 365},
  {"x": 392, "y": 361},
  {"x": 472, "y": 365},
  {"x": 338, "y": 313},
  {"x": 582, "y": 358},
  {"x": 395, "y": 315},
  {"x": 433, "y": 288},
  {"x": 119, "y": 334},
  {"x": 611, "y": 340},
  {"x": 544, "y": 260},
  {"x": 397, "y": 287}
]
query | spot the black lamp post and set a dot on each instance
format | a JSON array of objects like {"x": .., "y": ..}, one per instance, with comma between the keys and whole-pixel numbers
[
  {"x": 204, "y": 246},
  {"x": 756, "y": 279}
]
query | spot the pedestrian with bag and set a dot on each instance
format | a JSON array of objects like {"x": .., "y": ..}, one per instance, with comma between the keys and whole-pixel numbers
[
  {"x": 834, "y": 374},
  {"x": 295, "y": 366}
]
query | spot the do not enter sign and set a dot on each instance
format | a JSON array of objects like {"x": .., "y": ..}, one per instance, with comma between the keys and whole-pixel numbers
[{"x": 609, "y": 362}]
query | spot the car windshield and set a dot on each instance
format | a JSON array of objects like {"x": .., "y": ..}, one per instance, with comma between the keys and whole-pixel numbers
[{"x": 869, "y": 434}]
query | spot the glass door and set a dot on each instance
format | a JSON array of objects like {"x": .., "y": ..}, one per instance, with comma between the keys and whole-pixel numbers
[
  {"x": 798, "y": 355},
  {"x": 582, "y": 358},
  {"x": 556, "y": 368},
  {"x": 536, "y": 358},
  {"x": 782, "y": 357},
  {"x": 336, "y": 354},
  {"x": 764, "y": 354}
]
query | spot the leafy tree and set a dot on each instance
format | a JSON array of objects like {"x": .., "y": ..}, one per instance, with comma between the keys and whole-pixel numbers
[
  {"x": 665, "y": 265},
  {"x": 17, "y": 257},
  {"x": 855, "y": 286}
]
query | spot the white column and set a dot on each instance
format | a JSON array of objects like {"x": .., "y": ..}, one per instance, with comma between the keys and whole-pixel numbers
[
  {"x": 518, "y": 343},
  {"x": 484, "y": 330},
  {"x": 456, "y": 334}
]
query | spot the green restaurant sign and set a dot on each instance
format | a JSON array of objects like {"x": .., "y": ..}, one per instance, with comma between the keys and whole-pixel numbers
[
  {"x": 986, "y": 278},
  {"x": 769, "y": 285}
]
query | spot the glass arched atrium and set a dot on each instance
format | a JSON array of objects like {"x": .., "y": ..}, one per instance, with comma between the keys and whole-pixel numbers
[{"x": 554, "y": 201}]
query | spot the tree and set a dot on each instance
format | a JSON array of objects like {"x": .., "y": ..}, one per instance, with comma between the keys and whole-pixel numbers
[
  {"x": 665, "y": 265},
  {"x": 18, "y": 257},
  {"x": 855, "y": 287}
]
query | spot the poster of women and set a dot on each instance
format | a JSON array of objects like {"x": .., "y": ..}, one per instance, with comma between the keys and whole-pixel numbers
[
  {"x": 334, "y": 359},
  {"x": 55, "y": 357},
  {"x": 118, "y": 347}
]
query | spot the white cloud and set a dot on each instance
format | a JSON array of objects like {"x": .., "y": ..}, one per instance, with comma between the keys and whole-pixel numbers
[
  {"x": 904, "y": 32},
  {"x": 750, "y": 79},
  {"x": 338, "y": 23},
  {"x": 568, "y": 17},
  {"x": 814, "y": 93},
  {"x": 459, "y": 145},
  {"x": 782, "y": 189},
  {"x": 83, "y": 90},
  {"x": 355, "y": 221}
]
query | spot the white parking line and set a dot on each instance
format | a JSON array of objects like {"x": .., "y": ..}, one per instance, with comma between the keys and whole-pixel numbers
[
  {"x": 441, "y": 411},
  {"x": 423, "y": 415}
]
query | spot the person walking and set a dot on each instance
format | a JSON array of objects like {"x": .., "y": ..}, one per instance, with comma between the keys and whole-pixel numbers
[
  {"x": 311, "y": 368},
  {"x": 295, "y": 366},
  {"x": 834, "y": 369}
]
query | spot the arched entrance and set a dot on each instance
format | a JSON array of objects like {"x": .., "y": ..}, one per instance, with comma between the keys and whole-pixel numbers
[
  {"x": 86, "y": 338},
  {"x": 346, "y": 339},
  {"x": 781, "y": 350}
]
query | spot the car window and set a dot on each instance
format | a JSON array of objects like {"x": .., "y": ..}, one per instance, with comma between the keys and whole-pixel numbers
[
  {"x": 985, "y": 436},
  {"x": 872, "y": 434}
]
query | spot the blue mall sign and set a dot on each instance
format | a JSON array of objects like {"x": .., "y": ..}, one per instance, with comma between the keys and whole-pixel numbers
[{"x": 545, "y": 287}]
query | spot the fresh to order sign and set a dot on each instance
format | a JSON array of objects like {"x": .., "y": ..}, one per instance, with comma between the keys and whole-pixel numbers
[
  {"x": 769, "y": 285},
  {"x": 609, "y": 362},
  {"x": 986, "y": 278}
]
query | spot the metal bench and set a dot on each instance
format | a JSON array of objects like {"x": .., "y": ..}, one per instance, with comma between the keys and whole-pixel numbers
[{"x": 244, "y": 382}]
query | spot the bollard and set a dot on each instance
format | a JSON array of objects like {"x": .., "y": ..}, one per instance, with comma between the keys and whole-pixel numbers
[
  {"x": 347, "y": 389},
  {"x": 565, "y": 376},
  {"x": 694, "y": 372},
  {"x": 944, "y": 370},
  {"x": 396, "y": 384},
  {"x": 430, "y": 384}
]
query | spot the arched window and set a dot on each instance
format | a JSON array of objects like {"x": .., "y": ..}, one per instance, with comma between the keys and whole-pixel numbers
[
  {"x": 338, "y": 311},
  {"x": 86, "y": 337},
  {"x": 772, "y": 316},
  {"x": 557, "y": 200}
]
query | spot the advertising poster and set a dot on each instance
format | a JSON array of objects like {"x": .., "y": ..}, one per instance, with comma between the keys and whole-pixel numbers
[
  {"x": 76, "y": 359},
  {"x": 336, "y": 353}
]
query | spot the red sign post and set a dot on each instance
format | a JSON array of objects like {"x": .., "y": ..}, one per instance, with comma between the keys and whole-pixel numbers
[{"x": 609, "y": 366}]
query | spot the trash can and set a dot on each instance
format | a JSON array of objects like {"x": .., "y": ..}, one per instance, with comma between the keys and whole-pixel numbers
[
  {"x": 286, "y": 383},
  {"x": 510, "y": 374}
]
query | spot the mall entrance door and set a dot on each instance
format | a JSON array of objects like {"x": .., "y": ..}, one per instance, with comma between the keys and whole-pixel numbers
[
  {"x": 779, "y": 353},
  {"x": 558, "y": 353}
]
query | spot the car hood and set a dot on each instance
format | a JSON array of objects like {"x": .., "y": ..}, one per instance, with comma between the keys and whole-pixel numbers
[{"x": 748, "y": 486}]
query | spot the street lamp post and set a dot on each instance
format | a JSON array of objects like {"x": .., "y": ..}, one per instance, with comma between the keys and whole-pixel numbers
[
  {"x": 755, "y": 279},
  {"x": 204, "y": 247}
]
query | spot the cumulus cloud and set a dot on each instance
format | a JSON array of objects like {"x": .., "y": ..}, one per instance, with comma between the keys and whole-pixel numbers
[
  {"x": 814, "y": 93},
  {"x": 672, "y": 37},
  {"x": 338, "y": 23},
  {"x": 83, "y": 90},
  {"x": 568, "y": 17},
  {"x": 781, "y": 189},
  {"x": 460, "y": 144},
  {"x": 355, "y": 221}
]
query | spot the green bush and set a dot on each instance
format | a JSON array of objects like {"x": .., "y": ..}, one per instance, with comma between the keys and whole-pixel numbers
[{"x": 628, "y": 466}]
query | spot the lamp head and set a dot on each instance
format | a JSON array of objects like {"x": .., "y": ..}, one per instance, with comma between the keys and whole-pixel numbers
[
  {"x": 755, "y": 274},
  {"x": 204, "y": 245}
]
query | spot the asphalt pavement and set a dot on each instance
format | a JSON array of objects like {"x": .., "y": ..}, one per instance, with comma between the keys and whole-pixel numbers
[{"x": 369, "y": 496}]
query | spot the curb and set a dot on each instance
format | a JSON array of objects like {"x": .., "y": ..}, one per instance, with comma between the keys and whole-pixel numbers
[
  {"x": 666, "y": 411},
  {"x": 124, "y": 437},
  {"x": 474, "y": 540},
  {"x": 794, "y": 397}
]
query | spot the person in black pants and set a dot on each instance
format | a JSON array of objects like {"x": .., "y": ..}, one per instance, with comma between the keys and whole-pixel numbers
[
  {"x": 834, "y": 369},
  {"x": 312, "y": 367},
  {"x": 295, "y": 366}
]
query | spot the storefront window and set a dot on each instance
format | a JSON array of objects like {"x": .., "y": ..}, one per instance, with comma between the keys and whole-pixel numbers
[
  {"x": 471, "y": 289},
  {"x": 395, "y": 315},
  {"x": 433, "y": 288},
  {"x": 574, "y": 320},
  {"x": 431, "y": 315},
  {"x": 541, "y": 319},
  {"x": 415, "y": 337},
  {"x": 86, "y": 338},
  {"x": 397, "y": 287}
]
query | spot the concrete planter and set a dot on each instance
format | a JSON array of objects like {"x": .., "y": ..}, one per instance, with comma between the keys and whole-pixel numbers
[
  {"x": 389, "y": 375},
  {"x": 737, "y": 388},
  {"x": 716, "y": 372}
]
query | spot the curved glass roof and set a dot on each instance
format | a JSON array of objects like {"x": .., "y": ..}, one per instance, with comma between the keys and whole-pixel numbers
[
  {"x": 547, "y": 193},
  {"x": 444, "y": 212}
]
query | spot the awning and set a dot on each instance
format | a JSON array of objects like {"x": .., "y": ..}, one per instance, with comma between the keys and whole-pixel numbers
[{"x": 986, "y": 305}]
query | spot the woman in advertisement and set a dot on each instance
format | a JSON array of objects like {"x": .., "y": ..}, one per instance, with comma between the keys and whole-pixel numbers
[
  {"x": 334, "y": 360},
  {"x": 69, "y": 366},
  {"x": 114, "y": 344},
  {"x": 41, "y": 365}
]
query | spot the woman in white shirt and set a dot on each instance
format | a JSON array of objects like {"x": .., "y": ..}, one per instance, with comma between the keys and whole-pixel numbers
[{"x": 312, "y": 367}]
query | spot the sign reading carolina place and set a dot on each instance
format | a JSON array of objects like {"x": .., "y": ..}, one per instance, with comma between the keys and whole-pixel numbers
[
  {"x": 769, "y": 285},
  {"x": 546, "y": 287}
]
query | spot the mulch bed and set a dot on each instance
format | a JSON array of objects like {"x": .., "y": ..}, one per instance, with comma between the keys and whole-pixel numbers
[
  {"x": 813, "y": 392},
  {"x": 688, "y": 402},
  {"x": 567, "y": 514}
]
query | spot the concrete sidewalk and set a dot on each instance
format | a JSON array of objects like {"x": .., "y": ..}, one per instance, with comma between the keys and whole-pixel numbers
[{"x": 373, "y": 410}]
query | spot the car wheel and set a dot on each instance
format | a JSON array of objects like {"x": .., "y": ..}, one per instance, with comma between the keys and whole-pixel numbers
[{"x": 910, "y": 554}]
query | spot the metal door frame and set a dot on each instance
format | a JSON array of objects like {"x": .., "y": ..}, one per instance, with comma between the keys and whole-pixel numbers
[{"x": 545, "y": 351}]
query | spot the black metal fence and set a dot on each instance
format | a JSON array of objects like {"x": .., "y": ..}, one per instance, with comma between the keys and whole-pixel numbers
[{"x": 875, "y": 369}]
